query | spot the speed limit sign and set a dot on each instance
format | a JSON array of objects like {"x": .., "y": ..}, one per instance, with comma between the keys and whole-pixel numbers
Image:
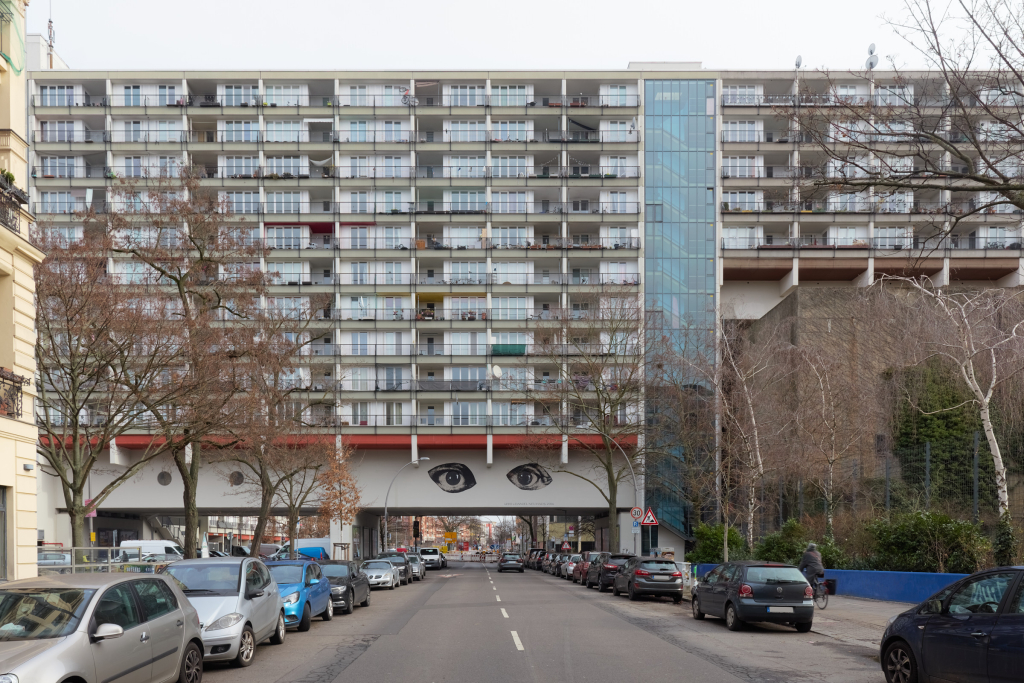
[{"x": 636, "y": 513}]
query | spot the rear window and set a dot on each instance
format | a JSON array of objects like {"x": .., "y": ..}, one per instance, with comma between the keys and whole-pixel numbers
[
  {"x": 658, "y": 564},
  {"x": 511, "y": 556},
  {"x": 429, "y": 551},
  {"x": 775, "y": 575},
  {"x": 619, "y": 561}
]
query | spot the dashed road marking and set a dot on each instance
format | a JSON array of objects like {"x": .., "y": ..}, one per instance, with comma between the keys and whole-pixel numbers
[
  {"x": 504, "y": 613},
  {"x": 519, "y": 643},
  {"x": 494, "y": 588},
  {"x": 498, "y": 597}
]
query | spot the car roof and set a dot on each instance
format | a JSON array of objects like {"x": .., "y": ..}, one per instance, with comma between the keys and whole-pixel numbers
[
  {"x": 214, "y": 560},
  {"x": 90, "y": 580},
  {"x": 282, "y": 563},
  {"x": 620, "y": 555},
  {"x": 334, "y": 561}
]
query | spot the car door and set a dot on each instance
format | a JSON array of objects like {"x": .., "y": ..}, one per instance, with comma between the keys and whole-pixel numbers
[
  {"x": 716, "y": 589},
  {"x": 1006, "y": 641},
  {"x": 165, "y": 623},
  {"x": 317, "y": 598},
  {"x": 955, "y": 644},
  {"x": 127, "y": 659},
  {"x": 264, "y": 600},
  {"x": 622, "y": 576}
]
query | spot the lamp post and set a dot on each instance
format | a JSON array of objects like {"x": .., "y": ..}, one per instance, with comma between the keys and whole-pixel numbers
[
  {"x": 419, "y": 460},
  {"x": 636, "y": 489}
]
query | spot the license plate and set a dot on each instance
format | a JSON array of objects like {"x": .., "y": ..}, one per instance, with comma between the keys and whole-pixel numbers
[
  {"x": 662, "y": 578},
  {"x": 781, "y": 610}
]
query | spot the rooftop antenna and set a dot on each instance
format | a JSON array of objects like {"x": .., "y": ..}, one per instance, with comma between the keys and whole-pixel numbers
[
  {"x": 872, "y": 58},
  {"x": 50, "y": 35}
]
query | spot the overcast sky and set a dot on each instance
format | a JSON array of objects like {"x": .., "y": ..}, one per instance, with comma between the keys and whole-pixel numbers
[{"x": 465, "y": 34}]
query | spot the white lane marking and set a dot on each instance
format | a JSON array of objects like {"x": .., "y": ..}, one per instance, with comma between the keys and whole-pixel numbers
[
  {"x": 504, "y": 613},
  {"x": 494, "y": 588},
  {"x": 498, "y": 597},
  {"x": 519, "y": 643}
]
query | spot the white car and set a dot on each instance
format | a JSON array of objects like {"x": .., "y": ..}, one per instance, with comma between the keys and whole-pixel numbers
[
  {"x": 382, "y": 574},
  {"x": 238, "y": 602},
  {"x": 566, "y": 568}
]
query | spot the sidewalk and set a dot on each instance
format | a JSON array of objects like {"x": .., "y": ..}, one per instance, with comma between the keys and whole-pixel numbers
[{"x": 856, "y": 620}]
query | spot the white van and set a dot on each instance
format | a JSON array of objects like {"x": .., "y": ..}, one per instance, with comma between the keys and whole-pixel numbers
[{"x": 131, "y": 549}]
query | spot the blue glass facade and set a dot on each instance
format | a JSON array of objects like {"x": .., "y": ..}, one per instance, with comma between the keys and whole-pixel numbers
[{"x": 680, "y": 246}]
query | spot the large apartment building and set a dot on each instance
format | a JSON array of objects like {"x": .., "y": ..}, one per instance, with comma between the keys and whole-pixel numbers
[{"x": 451, "y": 216}]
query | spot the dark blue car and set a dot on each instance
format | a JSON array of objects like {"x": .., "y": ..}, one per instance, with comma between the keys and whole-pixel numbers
[
  {"x": 306, "y": 592},
  {"x": 972, "y": 630}
]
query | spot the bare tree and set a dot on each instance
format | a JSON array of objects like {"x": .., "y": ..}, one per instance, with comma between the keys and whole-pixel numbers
[{"x": 300, "y": 487}]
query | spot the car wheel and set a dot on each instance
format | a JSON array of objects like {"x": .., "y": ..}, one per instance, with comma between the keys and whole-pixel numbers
[
  {"x": 588, "y": 584},
  {"x": 328, "y": 613},
  {"x": 307, "y": 618},
  {"x": 391, "y": 586},
  {"x": 695, "y": 606},
  {"x": 615, "y": 589},
  {"x": 246, "y": 648},
  {"x": 366, "y": 602},
  {"x": 732, "y": 621},
  {"x": 632, "y": 593},
  {"x": 521, "y": 571},
  {"x": 191, "y": 665},
  {"x": 601, "y": 588},
  {"x": 898, "y": 663},
  {"x": 350, "y": 601},
  {"x": 805, "y": 627},
  {"x": 278, "y": 637},
  {"x": 677, "y": 599}
]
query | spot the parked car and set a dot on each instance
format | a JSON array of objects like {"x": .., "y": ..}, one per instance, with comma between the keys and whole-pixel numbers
[
  {"x": 532, "y": 556},
  {"x": 402, "y": 561},
  {"x": 968, "y": 631},
  {"x": 161, "y": 557},
  {"x": 545, "y": 565},
  {"x": 349, "y": 585},
  {"x": 310, "y": 547},
  {"x": 568, "y": 566},
  {"x": 755, "y": 591},
  {"x": 238, "y": 604},
  {"x": 383, "y": 573},
  {"x": 603, "y": 569},
  {"x": 649, "y": 576},
  {"x": 433, "y": 558},
  {"x": 511, "y": 561},
  {"x": 579, "y": 572},
  {"x": 305, "y": 590},
  {"x": 87, "y": 627},
  {"x": 419, "y": 569},
  {"x": 53, "y": 559},
  {"x": 131, "y": 549}
]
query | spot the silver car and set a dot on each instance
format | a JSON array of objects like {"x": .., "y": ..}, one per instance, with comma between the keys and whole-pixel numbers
[
  {"x": 238, "y": 602},
  {"x": 419, "y": 568},
  {"x": 98, "y": 627},
  {"x": 382, "y": 573}
]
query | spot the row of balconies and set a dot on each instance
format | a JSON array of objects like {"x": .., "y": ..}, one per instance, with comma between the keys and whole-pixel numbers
[
  {"x": 845, "y": 137},
  {"x": 275, "y": 101},
  {"x": 883, "y": 99},
  {"x": 251, "y": 136},
  {"x": 900, "y": 244},
  {"x": 457, "y": 280},
  {"x": 879, "y": 205},
  {"x": 540, "y": 243}
]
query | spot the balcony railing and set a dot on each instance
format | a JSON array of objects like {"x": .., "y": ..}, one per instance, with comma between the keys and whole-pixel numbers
[
  {"x": 594, "y": 171},
  {"x": 780, "y": 136},
  {"x": 11, "y": 389},
  {"x": 70, "y": 136},
  {"x": 742, "y": 172},
  {"x": 68, "y": 99},
  {"x": 888, "y": 243}
]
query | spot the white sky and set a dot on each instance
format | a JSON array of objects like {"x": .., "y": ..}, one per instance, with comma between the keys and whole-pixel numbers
[{"x": 466, "y": 34}]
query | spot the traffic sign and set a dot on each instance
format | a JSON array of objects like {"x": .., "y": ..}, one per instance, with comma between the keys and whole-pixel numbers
[
  {"x": 636, "y": 513},
  {"x": 450, "y": 536},
  {"x": 566, "y": 546},
  {"x": 649, "y": 519},
  {"x": 636, "y": 526}
]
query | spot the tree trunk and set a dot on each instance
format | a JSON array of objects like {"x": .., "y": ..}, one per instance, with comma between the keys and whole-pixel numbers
[
  {"x": 751, "y": 510},
  {"x": 77, "y": 515},
  {"x": 188, "y": 468},
  {"x": 613, "y": 516},
  {"x": 293, "y": 531},
  {"x": 830, "y": 502},
  {"x": 997, "y": 461},
  {"x": 266, "y": 500}
]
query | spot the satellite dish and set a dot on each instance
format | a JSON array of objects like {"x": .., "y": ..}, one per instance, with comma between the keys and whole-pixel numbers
[
  {"x": 871, "y": 49},
  {"x": 872, "y": 62},
  {"x": 632, "y": 126},
  {"x": 497, "y": 372},
  {"x": 799, "y": 61}
]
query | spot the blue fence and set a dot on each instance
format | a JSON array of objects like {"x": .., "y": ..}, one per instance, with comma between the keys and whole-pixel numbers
[{"x": 893, "y": 586}]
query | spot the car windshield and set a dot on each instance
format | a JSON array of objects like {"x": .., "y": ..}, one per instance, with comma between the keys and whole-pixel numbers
[
  {"x": 658, "y": 564},
  {"x": 206, "y": 577},
  {"x": 511, "y": 556},
  {"x": 429, "y": 551},
  {"x": 286, "y": 573},
  {"x": 335, "y": 571},
  {"x": 377, "y": 565},
  {"x": 36, "y": 613},
  {"x": 775, "y": 575}
]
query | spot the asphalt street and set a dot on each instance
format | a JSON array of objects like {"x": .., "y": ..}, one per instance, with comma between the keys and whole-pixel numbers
[{"x": 469, "y": 623}]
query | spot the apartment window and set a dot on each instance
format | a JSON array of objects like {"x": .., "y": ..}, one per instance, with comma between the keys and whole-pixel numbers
[
  {"x": 469, "y": 273},
  {"x": 286, "y": 273},
  {"x": 508, "y": 237},
  {"x": 360, "y": 271},
  {"x": 132, "y": 96},
  {"x": 509, "y": 273},
  {"x": 284, "y": 95},
  {"x": 361, "y": 413},
  {"x": 847, "y": 93},
  {"x": 466, "y": 95},
  {"x": 393, "y": 273},
  {"x": 508, "y": 95},
  {"x": 393, "y": 167},
  {"x": 617, "y": 166},
  {"x": 359, "y": 167},
  {"x": 356, "y": 131},
  {"x": 468, "y": 201},
  {"x": 133, "y": 167},
  {"x": 512, "y": 414},
  {"x": 469, "y": 413},
  {"x": 283, "y": 131},
  {"x": 284, "y": 238},
  {"x": 56, "y": 95},
  {"x": 740, "y": 94},
  {"x": 509, "y": 167},
  {"x": 166, "y": 96},
  {"x": 465, "y": 344},
  {"x": 359, "y": 238},
  {"x": 60, "y": 202},
  {"x": 509, "y": 131},
  {"x": 392, "y": 343},
  {"x": 467, "y": 131},
  {"x": 466, "y": 167},
  {"x": 241, "y": 131},
  {"x": 168, "y": 131},
  {"x": 393, "y": 238},
  {"x": 393, "y": 95},
  {"x": 169, "y": 167},
  {"x": 618, "y": 131},
  {"x": 243, "y": 202},
  {"x": 58, "y": 167},
  {"x": 237, "y": 95},
  {"x": 284, "y": 202},
  {"x": 241, "y": 167},
  {"x": 133, "y": 131},
  {"x": 509, "y": 307},
  {"x": 357, "y": 95},
  {"x": 894, "y": 95},
  {"x": 392, "y": 201},
  {"x": 617, "y": 96},
  {"x": 618, "y": 203},
  {"x": 284, "y": 166},
  {"x": 64, "y": 235},
  {"x": 739, "y": 167},
  {"x": 891, "y": 238},
  {"x": 581, "y": 276},
  {"x": 741, "y": 201},
  {"x": 393, "y": 132},
  {"x": 359, "y": 379},
  {"x": 510, "y": 202},
  {"x": 56, "y": 131},
  {"x": 358, "y": 203},
  {"x": 393, "y": 413},
  {"x": 740, "y": 131}
]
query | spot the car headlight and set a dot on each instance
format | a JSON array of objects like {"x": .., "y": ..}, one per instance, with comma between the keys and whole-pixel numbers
[
  {"x": 335, "y": 590},
  {"x": 8, "y": 678},
  {"x": 226, "y": 621},
  {"x": 292, "y": 599}
]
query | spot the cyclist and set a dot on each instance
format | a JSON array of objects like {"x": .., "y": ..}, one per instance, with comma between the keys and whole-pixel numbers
[{"x": 811, "y": 566}]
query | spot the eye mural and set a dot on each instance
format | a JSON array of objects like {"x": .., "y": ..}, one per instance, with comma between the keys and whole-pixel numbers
[
  {"x": 452, "y": 477},
  {"x": 529, "y": 477}
]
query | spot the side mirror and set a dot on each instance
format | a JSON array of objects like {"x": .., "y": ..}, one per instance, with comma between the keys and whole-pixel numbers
[
  {"x": 932, "y": 607},
  {"x": 251, "y": 593},
  {"x": 107, "y": 632}
]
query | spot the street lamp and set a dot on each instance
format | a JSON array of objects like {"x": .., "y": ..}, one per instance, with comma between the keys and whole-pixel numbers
[
  {"x": 419, "y": 460},
  {"x": 636, "y": 488}
]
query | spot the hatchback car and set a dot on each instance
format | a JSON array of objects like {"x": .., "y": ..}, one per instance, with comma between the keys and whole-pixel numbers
[
  {"x": 579, "y": 572},
  {"x": 238, "y": 602},
  {"x": 511, "y": 561},
  {"x": 349, "y": 585},
  {"x": 755, "y": 591},
  {"x": 98, "y": 627},
  {"x": 603, "y": 569},
  {"x": 382, "y": 574},
  {"x": 419, "y": 568},
  {"x": 649, "y": 576},
  {"x": 565, "y": 571},
  {"x": 969, "y": 631},
  {"x": 306, "y": 592},
  {"x": 533, "y": 557}
]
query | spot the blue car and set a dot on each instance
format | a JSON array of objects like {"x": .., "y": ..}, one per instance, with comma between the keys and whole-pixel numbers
[
  {"x": 305, "y": 590},
  {"x": 972, "y": 630}
]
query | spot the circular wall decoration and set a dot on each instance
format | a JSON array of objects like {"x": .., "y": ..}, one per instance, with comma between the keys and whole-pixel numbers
[
  {"x": 164, "y": 478},
  {"x": 236, "y": 478}
]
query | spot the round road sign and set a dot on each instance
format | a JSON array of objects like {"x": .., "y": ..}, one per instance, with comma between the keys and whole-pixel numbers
[{"x": 636, "y": 513}]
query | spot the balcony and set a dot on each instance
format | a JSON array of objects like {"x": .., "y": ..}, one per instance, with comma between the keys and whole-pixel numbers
[
  {"x": 744, "y": 172},
  {"x": 88, "y": 136},
  {"x": 531, "y": 172},
  {"x": 885, "y": 244}
]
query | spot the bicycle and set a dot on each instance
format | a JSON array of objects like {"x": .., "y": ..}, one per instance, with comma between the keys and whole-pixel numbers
[{"x": 820, "y": 593}]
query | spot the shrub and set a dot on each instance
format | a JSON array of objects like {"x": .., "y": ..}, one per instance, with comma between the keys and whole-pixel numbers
[
  {"x": 708, "y": 547},
  {"x": 832, "y": 556},
  {"x": 927, "y": 542},
  {"x": 1005, "y": 547},
  {"x": 786, "y": 545}
]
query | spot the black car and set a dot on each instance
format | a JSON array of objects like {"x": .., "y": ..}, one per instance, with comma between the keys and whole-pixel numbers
[
  {"x": 649, "y": 576},
  {"x": 755, "y": 591},
  {"x": 534, "y": 557},
  {"x": 603, "y": 569},
  {"x": 349, "y": 585},
  {"x": 972, "y": 630},
  {"x": 404, "y": 566},
  {"x": 513, "y": 561}
]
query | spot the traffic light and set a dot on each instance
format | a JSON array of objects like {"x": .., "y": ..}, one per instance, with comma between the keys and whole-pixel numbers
[{"x": 416, "y": 528}]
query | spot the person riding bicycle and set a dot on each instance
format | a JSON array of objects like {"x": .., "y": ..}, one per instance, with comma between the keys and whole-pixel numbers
[{"x": 811, "y": 565}]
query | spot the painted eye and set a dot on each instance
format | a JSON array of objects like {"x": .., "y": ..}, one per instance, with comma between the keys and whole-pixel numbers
[
  {"x": 452, "y": 477},
  {"x": 529, "y": 477}
]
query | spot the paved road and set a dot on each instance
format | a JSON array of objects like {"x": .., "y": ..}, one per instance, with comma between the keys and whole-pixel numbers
[{"x": 468, "y": 623}]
